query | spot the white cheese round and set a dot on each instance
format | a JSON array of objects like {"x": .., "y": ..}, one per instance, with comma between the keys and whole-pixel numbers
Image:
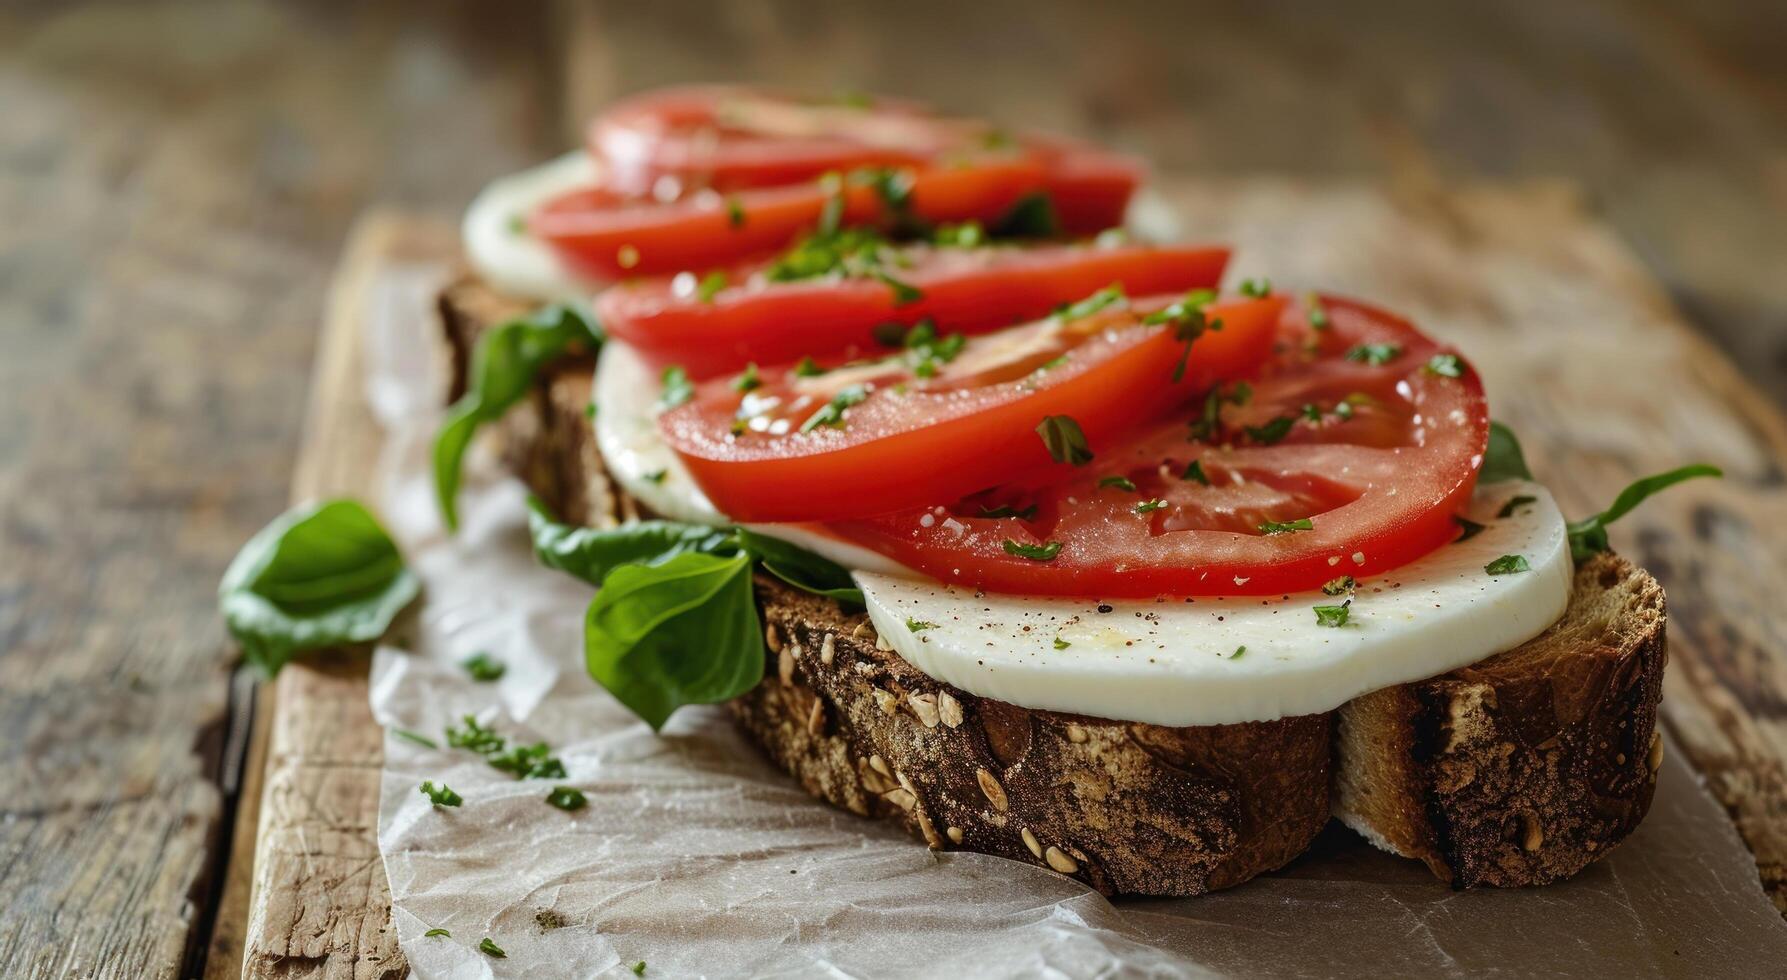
[
  {"x": 507, "y": 257},
  {"x": 1213, "y": 661}
]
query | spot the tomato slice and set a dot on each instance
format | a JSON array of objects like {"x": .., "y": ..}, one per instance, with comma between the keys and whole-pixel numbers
[
  {"x": 604, "y": 233},
  {"x": 949, "y": 417},
  {"x": 1367, "y": 429},
  {"x": 760, "y": 317}
]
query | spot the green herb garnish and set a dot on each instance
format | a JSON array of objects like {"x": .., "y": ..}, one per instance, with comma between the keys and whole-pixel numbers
[
  {"x": 1066, "y": 443},
  {"x": 1508, "y": 565},
  {"x": 567, "y": 798},
  {"x": 1034, "y": 552},
  {"x": 710, "y": 286},
  {"x": 1318, "y": 313},
  {"x": 416, "y": 737},
  {"x": 1273, "y": 431},
  {"x": 1033, "y": 216},
  {"x": 1374, "y": 354},
  {"x": 1104, "y": 298},
  {"x": 677, "y": 388},
  {"x": 1003, "y": 510},
  {"x": 735, "y": 211},
  {"x": 832, "y": 413},
  {"x": 440, "y": 795},
  {"x": 1208, "y": 426},
  {"x": 1445, "y": 365},
  {"x": 1333, "y": 615},
  {"x": 808, "y": 368},
  {"x": 1061, "y": 644},
  {"x": 1339, "y": 586},
  {"x": 919, "y": 625},
  {"x": 1515, "y": 503},
  {"x": 1256, "y": 288},
  {"x": 437, "y": 932},
  {"x": 534, "y": 761},
  {"x": 1285, "y": 527},
  {"x": 1468, "y": 528},
  {"x": 1588, "y": 536},
  {"x": 1186, "y": 317},
  {"x": 483, "y": 668},
  {"x": 1238, "y": 652},
  {"x": 474, "y": 737},
  {"x": 1123, "y": 483},
  {"x": 1149, "y": 506},
  {"x": 490, "y": 948},
  {"x": 1194, "y": 470},
  {"x": 748, "y": 379}
]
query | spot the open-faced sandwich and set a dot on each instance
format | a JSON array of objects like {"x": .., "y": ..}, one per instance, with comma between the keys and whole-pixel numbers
[{"x": 986, "y": 516}]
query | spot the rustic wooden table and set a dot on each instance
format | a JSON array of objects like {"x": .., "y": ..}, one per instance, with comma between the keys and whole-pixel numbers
[{"x": 177, "y": 179}]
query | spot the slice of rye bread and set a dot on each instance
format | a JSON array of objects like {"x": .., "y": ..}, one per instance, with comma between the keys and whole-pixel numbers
[{"x": 1518, "y": 770}]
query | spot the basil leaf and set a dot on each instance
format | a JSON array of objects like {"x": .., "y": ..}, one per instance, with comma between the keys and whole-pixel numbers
[
  {"x": 1589, "y": 535},
  {"x": 502, "y": 370},
  {"x": 1503, "y": 460},
  {"x": 801, "y": 568},
  {"x": 1033, "y": 216},
  {"x": 682, "y": 632},
  {"x": 316, "y": 577},
  {"x": 1508, "y": 565},
  {"x": 1064, "y": 439},
  {"x": 592, "y": 553}
]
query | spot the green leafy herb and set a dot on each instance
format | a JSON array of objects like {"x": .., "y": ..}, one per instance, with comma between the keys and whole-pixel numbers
[
  {"x": 1339, "y": 586},
  {"x": 1052, "y": 363},
  {"x": 440, "y": 795},
  {"x": 503, "y": 366},
  {"x": 1005, "y": 510},
  {"x": 320, "y": 576},
  {"x": 1034, "y": 552},
  {"x": 968, "y": 234},
  {"x": 684, "y": 631},
  {"x": 1194, "y": 470},
  {"x": 1374, "y": 354},
  {"x": 1033, "y": 216},
  {"x": 847, "y": 252},
  {"x": 1508, "y": 565},
  {"x": 1311, "y": 413},
  {"x": 831, "y": 414},
  {"x": 1123, "y": 483},
  {"x": 925, "y": 350},
  {"x": 800, "y": 568},
  {"x": 1588, "y": 536},
  {"x": 655, "y": 476},
  {"x": 472, "y": 736},
  {"x": 1445, "y": 365},
  {"x": 1468, "y": 528},
  {"x": 1273, "y": 431},
  {"x": 490, "y": 948},
  {"x": 1186, "y": 317},
  {"x": 919, "y": 625},
  {"x": 1061, "y": 644},
  {"x": 1285, "y": 527},
  {"x": 1513, "y": 504},
  {"x": 639, "y": 969},
  {"x": 808, "y": 368},
  {"x": 1208, "y": 426},
  {"x": 903, "y": 292},
  {"x": 1256, "y": 288},
  {"x": 1103, "y": 299},
  {"x": 1333, "y": 615},
  {"x": 1503, "y": 460},
  {"x": 735, "y": 211},
  {"x": 415, "y": 737},
  {"x": 1238, "y": 652},
  {"x": 534, "y": 761},
  {"x": 677, "y": 388},
  {"x": 710, "y": 286},
  {"x": 748, "y": 379},
  {"x": 1149, "y": 506},
  {"x": 437, "y": 932},
  {"x": 1065, "y": 441},
  {"x": 1318, "y": 313},
  {"x": 483, "y": 668},
  {"x": 567, "y": 798}
]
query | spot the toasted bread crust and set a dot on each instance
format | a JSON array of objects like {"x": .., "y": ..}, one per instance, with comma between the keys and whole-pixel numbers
[{"x": 1518, "y": 770}]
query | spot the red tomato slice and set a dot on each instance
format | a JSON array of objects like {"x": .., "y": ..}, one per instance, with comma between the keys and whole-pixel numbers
[
  {"x": 880, "y": 436},
  {"x": 970, "y": 290},
  {"x": 672, "y": 141},
  {"x": 603, "y": 233},
  {"x": 1378, "y": 457}
]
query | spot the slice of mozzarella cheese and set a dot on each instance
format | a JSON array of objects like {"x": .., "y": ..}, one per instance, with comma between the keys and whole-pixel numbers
[
  {"x": 625, "y": 395},
  {"x": 508, "y": 258},
  {"x": 1213, "y": 661}
]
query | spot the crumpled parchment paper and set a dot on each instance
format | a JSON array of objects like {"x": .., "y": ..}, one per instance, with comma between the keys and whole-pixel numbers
[{"x": 699, "y": 858}]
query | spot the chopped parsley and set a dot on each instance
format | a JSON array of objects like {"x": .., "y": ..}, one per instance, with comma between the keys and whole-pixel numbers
[
  {"x": 1468, "y": 528},
  {"x": 482, "y": 667},
  {"x": 475, "y": 737},
  {"x": 1445, "y": 365},
  {"x": 1285, "y": 527},
  {"x": 657, "y": 476},
  {"x": 528, "y": 762},
  {"x": 808, "y": 368},
  {"x": 1034, "y": 552},
  {"x": 1194, "y": 470},
  {"x": 1005, "y": 510},
  {"x": 488, "y": 947},
  {"x": 1149, "y": 506},
  {"x": 1256, "y": 288},
  {"x": 1104, "y": 298},
  {"x": 1339, "y": 586},
  {"x": 1188, "y": 321},
  {"x": 832, "y": 413},
  {"x": 1318, "y": 313},
  {"x": 1374, "y": 354},
  {"x": 1033, "y": 216},
  {"x": 639, "y": 968},
  {"x": 710, "y": 286},
  {"x": 748, "y": 379},
  {"x": 1514, "y": 504},
  {"x": 925, "y": 350},
  {"x": 440, "y": 795},
  {"x": 1208, "y": 426},
  {"x": 918, "y": 625},
  {"x": 903, "y": 292},
  {"x": 1508, "y": 565},
  {"x": 416, "y": 737},
  {"x": 735, "y": 212},
  {"x": 437, "y": 932},
  {"x": 1238, "y": 652},
  {"x": 968, "y": 234},
  {"x": 1333, "y": 615},
  {"x": 1061, "y": 644},
  {"x": 677, "y": 388},
  {"x": 1062, "y": 436},
  {"x": 1311, "y": 412},
  {"x": 1123, "y": 483},
  {"x": 1273, "y": 431},
  {"x": 567, "y": 798}
]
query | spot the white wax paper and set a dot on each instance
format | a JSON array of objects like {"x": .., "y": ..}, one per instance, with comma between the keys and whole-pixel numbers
[{"x": 701, "y": 859}]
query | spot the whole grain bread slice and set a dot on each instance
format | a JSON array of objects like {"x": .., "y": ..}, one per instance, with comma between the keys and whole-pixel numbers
[{"x": 1521, "y": 769}]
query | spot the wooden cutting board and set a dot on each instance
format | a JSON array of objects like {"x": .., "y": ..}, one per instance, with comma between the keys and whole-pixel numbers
[{"x": 1583, "y": 355}]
